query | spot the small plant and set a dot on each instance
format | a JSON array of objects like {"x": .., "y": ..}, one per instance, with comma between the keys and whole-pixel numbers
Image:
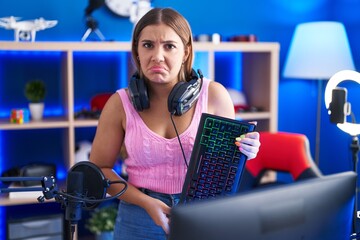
[
  {"x": 102, "y": 220},
  {"x": 35, "y": 91}
]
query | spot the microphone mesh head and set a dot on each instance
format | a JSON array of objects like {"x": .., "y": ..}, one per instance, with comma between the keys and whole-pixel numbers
[
  {"x": 75, "y": 183},
  {"x": 94, "y": 186}
]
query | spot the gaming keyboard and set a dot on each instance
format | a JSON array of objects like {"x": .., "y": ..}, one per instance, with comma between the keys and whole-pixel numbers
[{"x": 216, "y": 164}]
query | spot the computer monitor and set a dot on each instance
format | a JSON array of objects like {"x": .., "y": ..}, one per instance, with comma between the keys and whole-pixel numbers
[{"x": 319, "y": 208}]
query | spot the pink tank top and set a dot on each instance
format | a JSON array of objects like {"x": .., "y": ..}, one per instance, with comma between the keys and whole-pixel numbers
[{"x": 155, "y": 162}]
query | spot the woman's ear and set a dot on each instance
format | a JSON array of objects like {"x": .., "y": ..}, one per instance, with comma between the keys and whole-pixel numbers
[{"x": 186, "y": 54}]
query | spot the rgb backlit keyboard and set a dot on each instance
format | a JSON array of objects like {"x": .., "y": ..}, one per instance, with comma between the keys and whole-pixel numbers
[{"x": 216, "y": 164}]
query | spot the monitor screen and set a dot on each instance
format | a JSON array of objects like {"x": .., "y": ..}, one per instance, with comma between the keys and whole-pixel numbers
[{"x": 319, "y": 208}]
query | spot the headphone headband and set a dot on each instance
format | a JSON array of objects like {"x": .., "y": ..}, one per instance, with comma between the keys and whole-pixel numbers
[{"x": 180, "y": 100}]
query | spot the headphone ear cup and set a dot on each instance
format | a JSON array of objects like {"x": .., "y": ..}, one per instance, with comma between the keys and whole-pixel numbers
[
  {"x": 194, "y": 75},
  {"x": 138, "y": 93},
  {"x": 184, "y": 94},
  {"x": 143, "y": 93},
  {"x": 174, "y": 105},
  {"x": 134, "y": 94}
]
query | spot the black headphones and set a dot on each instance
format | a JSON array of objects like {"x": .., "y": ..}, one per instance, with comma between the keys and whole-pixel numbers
[{"x": 181, "y": 98}]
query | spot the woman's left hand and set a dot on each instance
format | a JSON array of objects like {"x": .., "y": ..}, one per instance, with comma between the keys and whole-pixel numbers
[{"x": 249, "y": 144}]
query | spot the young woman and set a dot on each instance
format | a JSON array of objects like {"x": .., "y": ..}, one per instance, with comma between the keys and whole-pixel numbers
[{"x": 162, "y": 50}]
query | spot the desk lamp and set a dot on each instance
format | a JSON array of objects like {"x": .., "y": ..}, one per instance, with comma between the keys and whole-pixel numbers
[
  {"x": 338, "y": 109},
  {"x": 317, "y": 51}
]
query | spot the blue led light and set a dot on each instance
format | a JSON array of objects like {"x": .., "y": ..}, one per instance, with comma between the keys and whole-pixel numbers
[
  {"x": 237, "y": 71},
  {"x": 30, "y": 54},
  {"x": 53, "y": 112},
  {"x": 229, "y": 69},
  {"x": 61, "y": 173},
  {"x": 123, "y": 68},
  {"x": 1, "y": 153},
  {"x": 48, "y": 112},
  {"x": 201, "y": 62}
]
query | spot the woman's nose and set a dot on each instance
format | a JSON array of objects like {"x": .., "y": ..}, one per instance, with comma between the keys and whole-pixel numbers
[{"x": 158, "y": 56}]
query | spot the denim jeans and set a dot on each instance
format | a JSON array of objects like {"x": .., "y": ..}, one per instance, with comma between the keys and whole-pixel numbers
[{"x": 133, "y": 222}]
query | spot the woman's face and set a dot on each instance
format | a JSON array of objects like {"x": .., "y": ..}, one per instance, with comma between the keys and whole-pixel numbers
[{"x": 161, "y": 53}]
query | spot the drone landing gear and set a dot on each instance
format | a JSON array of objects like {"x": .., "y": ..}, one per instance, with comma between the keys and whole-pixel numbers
[{"x": 92, "y": 26}]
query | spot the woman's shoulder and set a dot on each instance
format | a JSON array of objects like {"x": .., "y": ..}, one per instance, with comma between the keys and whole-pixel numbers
[
  {"x": 115, "y": 100},
  {"x": 216, "y": 89},
  {"x": 113, "y": 111},
  {"x": 219, "y": 102}
]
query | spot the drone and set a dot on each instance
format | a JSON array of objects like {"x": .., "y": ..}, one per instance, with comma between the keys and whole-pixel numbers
[{"x": 26, "y": 30}]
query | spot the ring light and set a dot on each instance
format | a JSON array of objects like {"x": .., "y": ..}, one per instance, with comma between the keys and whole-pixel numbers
[{"x": 344, "y": 75}]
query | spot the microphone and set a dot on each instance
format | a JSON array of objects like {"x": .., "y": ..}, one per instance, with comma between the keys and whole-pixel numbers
[
  {"x": 86, "y": 187},
  {"x": 93, "y": 186},
  {"x": 94, "y": 183},
  {"x": 74, "y": 187}
]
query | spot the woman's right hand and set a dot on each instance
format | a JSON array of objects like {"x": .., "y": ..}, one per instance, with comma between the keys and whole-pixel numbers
[{"x": 159, "y": 212}]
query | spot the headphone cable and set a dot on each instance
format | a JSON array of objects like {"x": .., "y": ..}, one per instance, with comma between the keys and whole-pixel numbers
[
  {"x": 173, "y": 123},
  {"x": 178, "y": 137}
]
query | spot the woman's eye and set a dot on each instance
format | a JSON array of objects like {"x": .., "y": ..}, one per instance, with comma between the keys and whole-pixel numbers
[
  {"x": 147, "y": 45},
  {"x": 170, "y": 46}
]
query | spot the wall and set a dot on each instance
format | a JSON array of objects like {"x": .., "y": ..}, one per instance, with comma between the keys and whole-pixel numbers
[{"x": 271, "y": 20}]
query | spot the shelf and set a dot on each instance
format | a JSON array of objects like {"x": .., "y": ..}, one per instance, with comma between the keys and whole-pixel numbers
[
  {"x": 86, "y": 123},
  {"x": 254, "y": 47},
  {"x": 66, "y": 46},
  {"x": 253, "y": 115},
  {"x": 126, "y": 46},
  {"x": 5, "y": 201},
  {"x": 258, "y": 72},
  {"x": 68, "y": 69},
  {"x": 58, "y": 123},
  {"x": 259, "y": 75},
  {"x": 44, "y": 124}
]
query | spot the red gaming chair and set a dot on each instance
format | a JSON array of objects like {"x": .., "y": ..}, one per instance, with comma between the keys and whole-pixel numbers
[
  {"x": 282, "y": 152},
  {"x": 98, "y": 102}
]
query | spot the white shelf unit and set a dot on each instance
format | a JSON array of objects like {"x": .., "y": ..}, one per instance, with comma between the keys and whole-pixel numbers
[{"x": 260, "y": 64}]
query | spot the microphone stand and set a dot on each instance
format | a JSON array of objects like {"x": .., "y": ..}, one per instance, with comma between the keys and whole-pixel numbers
[
  {"x": 48, "y": 187},
  {"x": 73, "y": 201},
  {"x": 354, "y": 146}
]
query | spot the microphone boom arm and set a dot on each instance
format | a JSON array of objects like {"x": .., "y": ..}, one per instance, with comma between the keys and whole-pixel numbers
[{"x": 48, "y": 186}]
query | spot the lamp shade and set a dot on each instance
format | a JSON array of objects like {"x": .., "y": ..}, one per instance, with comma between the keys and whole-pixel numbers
[{"x": 318, "y": 50}]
